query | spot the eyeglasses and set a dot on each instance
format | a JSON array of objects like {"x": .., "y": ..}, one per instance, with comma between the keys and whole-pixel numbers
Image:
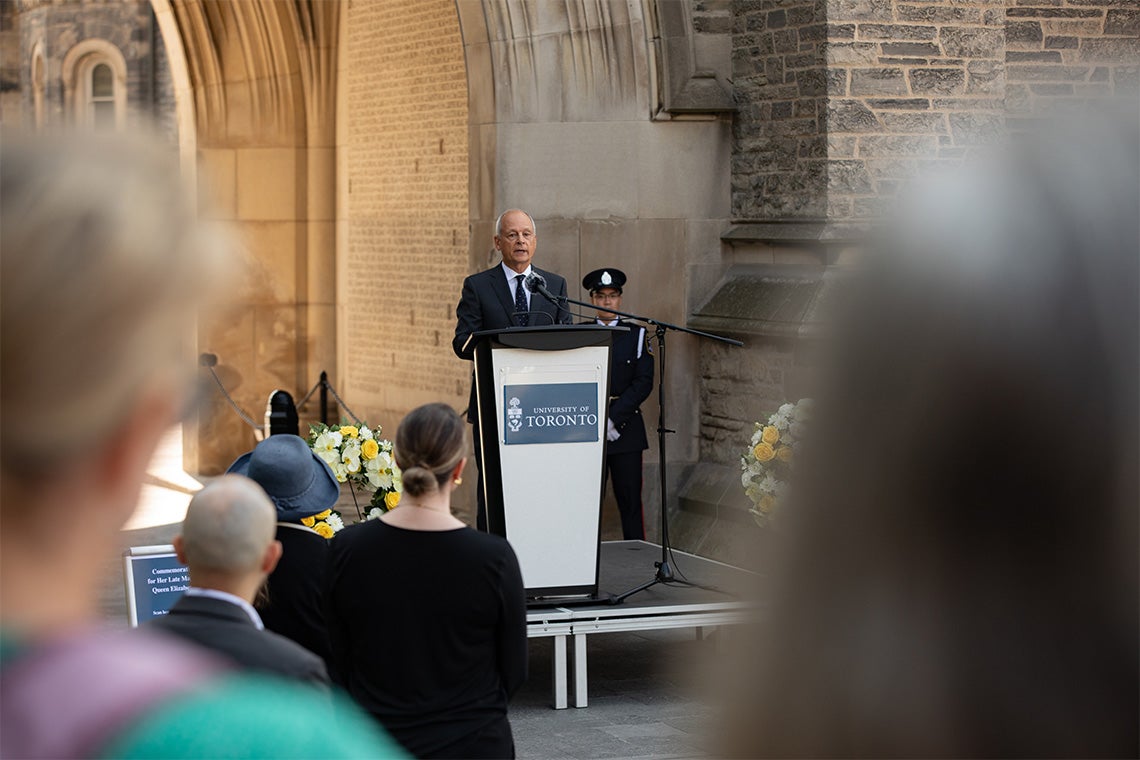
[
  {"x": 513, "y": 236},
  {"x": 606, "y": 296}
]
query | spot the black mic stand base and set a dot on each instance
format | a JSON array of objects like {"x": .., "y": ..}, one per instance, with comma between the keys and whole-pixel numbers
[{"x": 664, "y": 574}]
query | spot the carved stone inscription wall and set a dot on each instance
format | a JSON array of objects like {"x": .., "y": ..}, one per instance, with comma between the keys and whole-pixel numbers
[{"x": 399, "y": 280}]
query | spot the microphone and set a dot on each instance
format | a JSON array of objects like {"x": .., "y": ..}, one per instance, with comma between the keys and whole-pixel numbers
[{"x": 536, "y": 283}]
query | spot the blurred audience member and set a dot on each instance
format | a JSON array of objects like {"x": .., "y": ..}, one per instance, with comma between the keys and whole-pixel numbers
[
  {"x": 227, "y": 543},
  {"x": 959, "y": 568},
  {"x": 102, "y": 264},
  {"x": 427, "y": 616},
  {"x": 300, "y": 485}
]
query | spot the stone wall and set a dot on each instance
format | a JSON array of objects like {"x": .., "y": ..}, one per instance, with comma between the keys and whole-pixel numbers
[
  {"x": 910, "y": 86},
  {"x": 841, "y": 103},
  {"x": 741, "y": 384},
  {"x": 61, "y": 24},
  {"x": 779, "y": 133},
  {"x": 404, "y": 212},
  {"x": 1059, "y": 55}
]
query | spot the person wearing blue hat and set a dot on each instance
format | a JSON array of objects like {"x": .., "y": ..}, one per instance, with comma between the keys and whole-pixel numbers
[
  {"x": 300, "y": 484},
  {"x": 631, "y": 381}
]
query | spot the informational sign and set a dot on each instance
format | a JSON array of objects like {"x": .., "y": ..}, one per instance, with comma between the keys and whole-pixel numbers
[
  {"x": 550, "y": 413},
  {"x": 154, "y": 579}
]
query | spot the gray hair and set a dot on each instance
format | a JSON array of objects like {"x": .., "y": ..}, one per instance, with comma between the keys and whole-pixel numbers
[
  {"x": 499, "y": 221},
  {"x": 102, "y": 262},
  {"x": 228, "y": 526}
]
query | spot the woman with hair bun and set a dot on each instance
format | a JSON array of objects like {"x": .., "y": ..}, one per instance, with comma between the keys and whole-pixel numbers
[{"x": 427, "y": 616}]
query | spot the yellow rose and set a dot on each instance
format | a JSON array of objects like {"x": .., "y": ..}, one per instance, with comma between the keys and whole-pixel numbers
[
  {"x": 770, "y": 435},
  {"x": 763, "y": 452},
  {"x": 784, "y": 453},
  {"x": 766, "y": 504},
  {"x": 324, "y": 529},
  {"x": 308, "y": 521},
  {"x": 391, "y": 499},
  {"x": 322, "y": 515},
  {"x": 350, "y": 431},
  {"x": 369, "y": 449}
]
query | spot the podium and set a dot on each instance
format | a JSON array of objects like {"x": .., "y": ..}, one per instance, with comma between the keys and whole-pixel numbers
[{"x": 542, "y": 395}]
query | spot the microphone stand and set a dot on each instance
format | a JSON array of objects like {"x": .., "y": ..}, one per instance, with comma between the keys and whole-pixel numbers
[{"x": 664, "y": 572}]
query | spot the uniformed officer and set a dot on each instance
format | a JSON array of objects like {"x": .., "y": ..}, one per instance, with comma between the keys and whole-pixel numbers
[{"x": 631, "y": 380}]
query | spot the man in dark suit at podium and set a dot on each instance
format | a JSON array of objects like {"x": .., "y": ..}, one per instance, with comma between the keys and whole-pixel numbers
[
  {"x": 631, "y": 380},
  {"x": 497, "y": 298},
  {"x": 227, "y": 543}
]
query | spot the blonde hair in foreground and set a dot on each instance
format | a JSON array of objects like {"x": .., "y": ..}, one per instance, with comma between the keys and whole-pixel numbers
[{"x": 102, "y": 263}]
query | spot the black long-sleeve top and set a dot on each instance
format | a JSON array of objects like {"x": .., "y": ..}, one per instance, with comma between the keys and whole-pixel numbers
[{"x": 428, "y": 629}]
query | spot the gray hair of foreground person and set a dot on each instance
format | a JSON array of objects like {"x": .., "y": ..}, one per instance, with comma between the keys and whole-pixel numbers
[
  {"x": 103, "y": 264},
  {"x": 957, "y": 570},
  {"x": 228, "y": 529}
]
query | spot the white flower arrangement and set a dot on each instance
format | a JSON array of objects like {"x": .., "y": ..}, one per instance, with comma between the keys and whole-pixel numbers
[
  {"x": 767, "y": 464},
  {"x": 359, "y": 457}
]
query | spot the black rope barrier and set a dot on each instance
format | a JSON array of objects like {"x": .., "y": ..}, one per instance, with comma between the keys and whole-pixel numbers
[{"x": 209, "y": 361}]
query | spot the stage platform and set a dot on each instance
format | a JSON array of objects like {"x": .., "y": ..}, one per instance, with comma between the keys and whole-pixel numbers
[{"x": 713, "y": 600}]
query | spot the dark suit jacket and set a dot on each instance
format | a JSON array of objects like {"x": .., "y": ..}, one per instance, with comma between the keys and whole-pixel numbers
[
  {"x": 296, "y": 590},
  {"x": 487, "y": 303},
  {"x": 225, "y": 628},
  {"x": 631, "y": 381}
]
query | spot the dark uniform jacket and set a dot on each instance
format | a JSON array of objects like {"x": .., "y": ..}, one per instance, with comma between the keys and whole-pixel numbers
[{"x": 631, "y": 381}]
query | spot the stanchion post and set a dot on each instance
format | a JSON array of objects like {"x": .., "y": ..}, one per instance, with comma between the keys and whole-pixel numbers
[
  {"x": 281, "y": 414},
  {"x": 324, "y": 397}
]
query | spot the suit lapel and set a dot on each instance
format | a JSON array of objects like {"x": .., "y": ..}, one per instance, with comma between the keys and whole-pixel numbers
[{"x": 503, "y": 293}]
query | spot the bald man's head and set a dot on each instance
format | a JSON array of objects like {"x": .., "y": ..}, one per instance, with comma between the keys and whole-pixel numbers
[{"x": 228, "y": 527}]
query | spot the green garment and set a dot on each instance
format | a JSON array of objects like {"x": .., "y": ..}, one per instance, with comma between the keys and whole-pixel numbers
[
  {"x": 247, "y": 717},
  {"x": 230, "y": 715}
]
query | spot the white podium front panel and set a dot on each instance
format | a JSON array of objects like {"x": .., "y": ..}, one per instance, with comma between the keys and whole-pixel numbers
[{"x": 551, "y": 438}]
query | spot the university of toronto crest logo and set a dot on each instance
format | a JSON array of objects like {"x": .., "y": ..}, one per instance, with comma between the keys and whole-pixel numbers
[{"x": 514, "y": 415}]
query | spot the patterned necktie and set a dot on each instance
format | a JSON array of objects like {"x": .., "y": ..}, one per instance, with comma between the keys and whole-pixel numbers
[{"x": 520, "y": 302}]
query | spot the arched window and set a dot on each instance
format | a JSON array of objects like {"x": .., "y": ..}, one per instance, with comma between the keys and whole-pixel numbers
[
  {"x": 95, "y": 85},
  {"x": 101, "y": 97}
]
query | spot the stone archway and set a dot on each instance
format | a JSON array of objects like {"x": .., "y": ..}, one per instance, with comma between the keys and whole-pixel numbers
[{"x": 255, "y": 92}]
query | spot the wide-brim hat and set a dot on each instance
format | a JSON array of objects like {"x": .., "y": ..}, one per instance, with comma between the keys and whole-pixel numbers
[
  {"x": 299, "y": 483},
  {"x": 604, "y": 278}
]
